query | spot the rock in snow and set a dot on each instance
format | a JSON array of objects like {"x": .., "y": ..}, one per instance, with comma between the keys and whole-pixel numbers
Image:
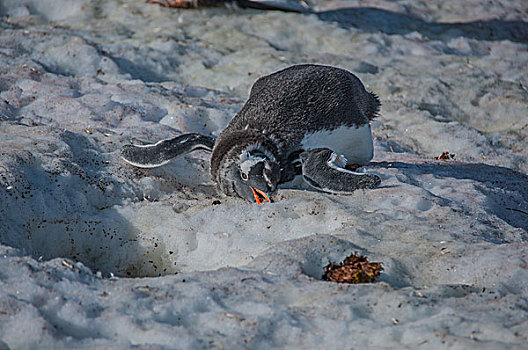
[{"x": 97, "y": 254}]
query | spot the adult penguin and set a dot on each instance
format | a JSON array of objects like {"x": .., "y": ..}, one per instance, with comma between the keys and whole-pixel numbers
[{"x": 308, "y": 119}]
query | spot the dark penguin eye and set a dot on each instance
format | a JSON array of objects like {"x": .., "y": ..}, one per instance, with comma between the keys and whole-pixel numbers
[{"x": 244, "y": 176}]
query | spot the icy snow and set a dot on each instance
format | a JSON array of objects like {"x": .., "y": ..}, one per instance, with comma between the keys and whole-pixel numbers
[{"x": 97, "y": 254}]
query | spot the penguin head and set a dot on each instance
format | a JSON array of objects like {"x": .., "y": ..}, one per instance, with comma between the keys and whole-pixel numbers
[
  {"x": 253, "y": 177},
  {"x": 259, "y": 178}
]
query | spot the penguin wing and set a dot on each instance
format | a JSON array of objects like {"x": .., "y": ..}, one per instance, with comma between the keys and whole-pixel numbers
[
  {"x": 325, "y": 170},
  {"x": 160, "y": 153}
]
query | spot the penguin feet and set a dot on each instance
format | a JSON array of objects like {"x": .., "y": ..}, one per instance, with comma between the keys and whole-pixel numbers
[
  {"x": 160, "y": 153},
  {"x": 280, "y": 5},
  {"x": 326, "y": 171},
  {"x": 182, "y": 4}
]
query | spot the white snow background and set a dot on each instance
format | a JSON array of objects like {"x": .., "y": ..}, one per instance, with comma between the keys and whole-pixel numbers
[{"x": 97, "y": 254}]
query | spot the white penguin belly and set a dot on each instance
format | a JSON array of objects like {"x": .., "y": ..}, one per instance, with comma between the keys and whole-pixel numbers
[{"x": 354, "y": 143}]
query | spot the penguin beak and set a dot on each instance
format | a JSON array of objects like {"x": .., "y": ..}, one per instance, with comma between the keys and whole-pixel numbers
[{"x": 260, "y": 196}]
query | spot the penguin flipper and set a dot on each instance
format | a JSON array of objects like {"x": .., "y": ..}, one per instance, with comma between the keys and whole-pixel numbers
[
  {"x": 325, "y": 170},
  {"x": 160, "y": 153}
]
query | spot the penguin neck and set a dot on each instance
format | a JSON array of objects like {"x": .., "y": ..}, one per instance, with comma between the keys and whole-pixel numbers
[{"x": 235, "y": 145}]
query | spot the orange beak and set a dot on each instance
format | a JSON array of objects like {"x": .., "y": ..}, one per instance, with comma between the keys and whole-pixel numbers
[{"x": 260, "y": 196}]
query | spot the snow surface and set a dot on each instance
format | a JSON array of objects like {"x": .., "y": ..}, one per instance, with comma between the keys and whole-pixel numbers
[{"x": 97, "y": 254}]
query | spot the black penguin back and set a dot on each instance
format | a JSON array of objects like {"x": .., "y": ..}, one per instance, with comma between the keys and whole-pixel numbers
[{"x": 306, "y": 98}]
